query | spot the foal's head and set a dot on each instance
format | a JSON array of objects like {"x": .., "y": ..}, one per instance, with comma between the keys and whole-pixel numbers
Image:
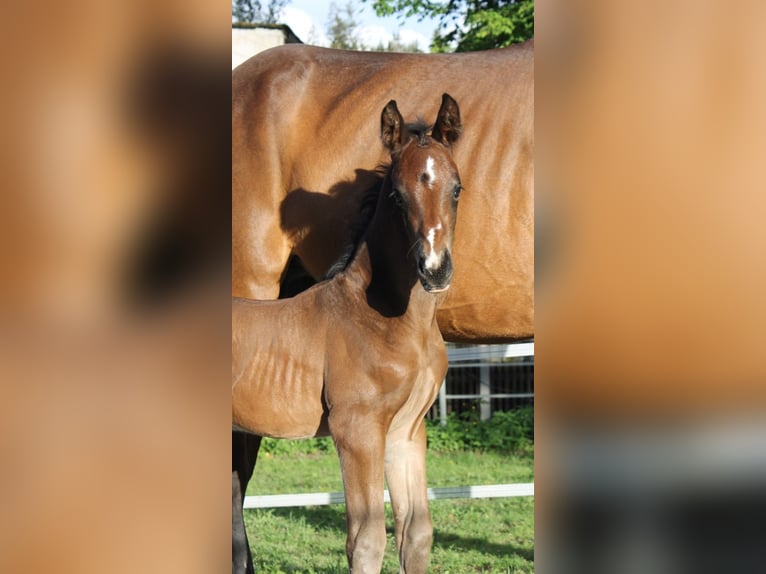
[{"x": 426, "y": 185}]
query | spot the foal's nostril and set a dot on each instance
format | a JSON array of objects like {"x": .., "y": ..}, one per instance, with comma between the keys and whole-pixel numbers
[{"x": 438, "y": 278}]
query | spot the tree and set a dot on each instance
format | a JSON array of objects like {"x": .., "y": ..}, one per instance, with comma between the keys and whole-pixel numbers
[
  {"x": 467, "y": 25},
  {"x": 251, "y": 11},
  {"x": 343, "y": 31},
  {"x": 342, "y": 28},
  {"x": 396, "y": 44}
]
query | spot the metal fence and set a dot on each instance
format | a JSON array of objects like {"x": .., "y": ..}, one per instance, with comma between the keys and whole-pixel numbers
[{"x": 488, "y": 378}]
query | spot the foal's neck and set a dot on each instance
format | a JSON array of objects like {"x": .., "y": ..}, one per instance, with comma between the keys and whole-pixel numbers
[{"x": 388, "y": 258}]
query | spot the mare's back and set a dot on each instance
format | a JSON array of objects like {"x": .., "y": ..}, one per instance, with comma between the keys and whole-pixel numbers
[{"x": 307, "y": 94}]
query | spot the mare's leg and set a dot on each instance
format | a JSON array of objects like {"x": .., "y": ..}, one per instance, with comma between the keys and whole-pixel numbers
[
  {"x": 360, "y": 446},
  {"x": 406, "y": 478},
  {"x": 259, "y": 246},
  {"x": 244, "y": 451},
  {"x": 259, "y": 258}
]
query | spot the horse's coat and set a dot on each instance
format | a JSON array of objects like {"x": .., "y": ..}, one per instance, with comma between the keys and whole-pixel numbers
[
  {"x": 302, "y": 120},
  {"x": 360, "y": 356}
]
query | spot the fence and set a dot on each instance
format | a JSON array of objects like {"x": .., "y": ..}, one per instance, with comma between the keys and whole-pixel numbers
[
  {"x": 488, "y": 359},
  {"x": 476, "y": 371},
  {"x": 325, "y": 498}
]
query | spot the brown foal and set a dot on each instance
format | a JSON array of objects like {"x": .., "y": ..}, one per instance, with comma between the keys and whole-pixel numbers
[{"x": 360, "y": 355}]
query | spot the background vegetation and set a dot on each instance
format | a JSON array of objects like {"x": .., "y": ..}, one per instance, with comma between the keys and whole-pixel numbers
[
  {"x": 463, "y": 25},
  {"x": 468, "y": 25},
  {"x": 509, "y": 432},
  {"x": 250, "y": 11}
]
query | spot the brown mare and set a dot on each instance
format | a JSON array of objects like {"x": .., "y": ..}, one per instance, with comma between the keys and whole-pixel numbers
[
  {"x": 292, "y": 197},
  {"x": 360, "y": 356}
]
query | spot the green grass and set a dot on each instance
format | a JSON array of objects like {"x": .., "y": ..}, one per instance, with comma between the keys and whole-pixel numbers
[
  {"x": 320, "y": 472},
  {"x": 491, "y": 536}
]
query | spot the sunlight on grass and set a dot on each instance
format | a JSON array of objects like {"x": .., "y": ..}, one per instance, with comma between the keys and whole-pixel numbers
[{"x": 488, "y": 536}]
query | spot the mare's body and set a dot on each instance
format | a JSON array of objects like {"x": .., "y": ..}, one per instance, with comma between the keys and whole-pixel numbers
[{"x": 291, "y": 196}]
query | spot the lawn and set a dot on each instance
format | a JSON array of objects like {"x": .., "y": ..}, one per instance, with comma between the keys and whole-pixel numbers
[{"x": 489, "y": 535}]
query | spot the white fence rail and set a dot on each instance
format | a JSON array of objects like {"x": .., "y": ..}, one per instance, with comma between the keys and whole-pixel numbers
[
  {"x": 326, "y": 498},
  {"x": 486, "y": 353}
]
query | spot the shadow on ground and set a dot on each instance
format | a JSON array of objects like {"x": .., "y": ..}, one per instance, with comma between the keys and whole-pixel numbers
[{"x": 334, "y": 517}]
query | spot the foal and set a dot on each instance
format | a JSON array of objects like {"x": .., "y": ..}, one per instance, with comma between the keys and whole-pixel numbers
[{"x": 360, "y": 356}]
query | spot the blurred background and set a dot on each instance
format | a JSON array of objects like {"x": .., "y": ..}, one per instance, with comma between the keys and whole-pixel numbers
[
  {"x": 114, "y": 254},
  {"x": 649, "y": 403}
]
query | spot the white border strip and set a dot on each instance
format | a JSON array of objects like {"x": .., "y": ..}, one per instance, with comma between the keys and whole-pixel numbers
[
  {"x": 491, "y": 352},
  {"x": 325, "y": 498}
]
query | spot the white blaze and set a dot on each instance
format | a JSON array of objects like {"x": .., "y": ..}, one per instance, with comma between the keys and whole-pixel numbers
[
  {"x": 433, "y": 259},
  {"x": 430, "y": 170}
]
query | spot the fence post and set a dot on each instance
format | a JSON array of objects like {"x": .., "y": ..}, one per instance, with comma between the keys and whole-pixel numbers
[
  {"x": 443, "y": 403},
  {"x": 485, "y": 391}
]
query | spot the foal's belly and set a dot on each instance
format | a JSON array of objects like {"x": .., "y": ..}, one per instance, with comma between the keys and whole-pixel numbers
[
  {"x": 293, "y": 415},
  {"x": 280, "y": 399},
  {"x": 279, "y": 426}
]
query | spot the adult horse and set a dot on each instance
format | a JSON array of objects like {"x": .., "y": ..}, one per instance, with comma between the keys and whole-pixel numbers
[
  {"x": 360, "y": 356},
  {"x": 302, "y": 120}
]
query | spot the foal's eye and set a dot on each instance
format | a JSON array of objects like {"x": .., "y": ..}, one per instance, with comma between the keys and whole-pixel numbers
[
  {"x": 456, "y": 191},
  {"x": 396, "y": 195}
]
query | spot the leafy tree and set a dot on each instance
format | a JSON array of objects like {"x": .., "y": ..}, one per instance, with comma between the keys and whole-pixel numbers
[
  {"x": 342, "y": 28},
  {"x": 396, "y": 44},
  {"x": 251, "y": 11},
  {"x": 343, "y": 31},
  {"x": 467, "y": 25}
]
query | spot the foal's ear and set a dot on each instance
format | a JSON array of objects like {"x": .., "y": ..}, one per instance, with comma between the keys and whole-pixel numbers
[
  {"x": 448, "y": 127},
  {"x": 391, "y": 126}
]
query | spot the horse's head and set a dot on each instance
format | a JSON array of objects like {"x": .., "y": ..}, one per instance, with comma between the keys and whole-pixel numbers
[{"x": 426, "y": 185}]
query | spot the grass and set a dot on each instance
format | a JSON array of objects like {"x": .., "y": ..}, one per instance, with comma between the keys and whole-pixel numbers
[
  {"x": 489, "y": 536},
  {"x": 320, "y": 472}
]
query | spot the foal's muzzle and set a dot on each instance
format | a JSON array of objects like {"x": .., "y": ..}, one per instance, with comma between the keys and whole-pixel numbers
[{"x": 435, "y": 279}]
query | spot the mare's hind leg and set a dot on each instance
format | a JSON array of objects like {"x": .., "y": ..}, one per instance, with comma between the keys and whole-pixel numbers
[
  {"x": 244, "y": 451},
  {"x": 360, "y": 446},
  {"x": 406, "y": 478}
]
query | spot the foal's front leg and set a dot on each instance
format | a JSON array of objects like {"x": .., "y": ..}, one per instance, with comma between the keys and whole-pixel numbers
[
  {"x": 406, "y": 477},
  {"x": 360, "y": 444}
]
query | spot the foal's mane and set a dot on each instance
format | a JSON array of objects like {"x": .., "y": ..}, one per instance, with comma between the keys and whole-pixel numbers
[
  {"x": 419, "y": 130},
  {"x": 367, "y": 210}
]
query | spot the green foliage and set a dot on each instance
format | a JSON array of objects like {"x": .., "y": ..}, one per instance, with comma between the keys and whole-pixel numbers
[
  {"x": 292, "y": 447},
  {"x": 506, "y": 432},
  {"x": 397, "y": 45},
  {"x": 251, "y": 11},
  {"x": 342, "y": 28},
  {"x": 468, "y": 25},
  {"x": 343, "y": 32}
]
